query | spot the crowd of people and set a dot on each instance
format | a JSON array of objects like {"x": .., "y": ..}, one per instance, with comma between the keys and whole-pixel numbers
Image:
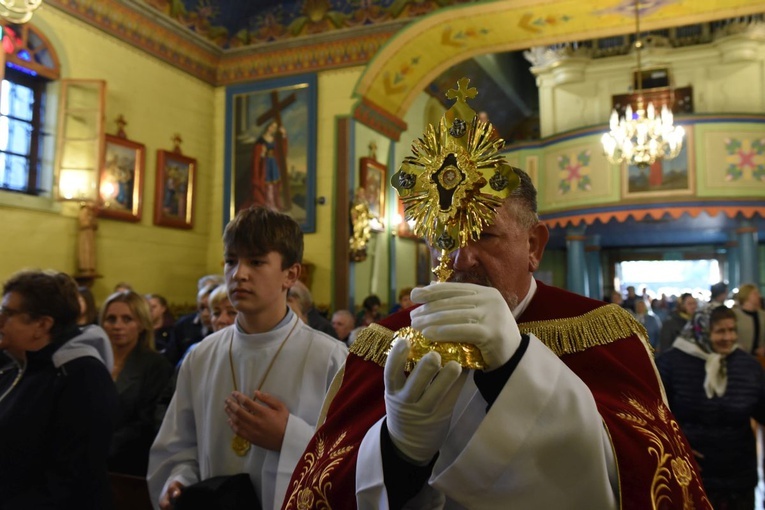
[
  {"x": 710, "y": 358},
  {"x": 241, "y": 396},
  {"x": 665, "y": 318}
]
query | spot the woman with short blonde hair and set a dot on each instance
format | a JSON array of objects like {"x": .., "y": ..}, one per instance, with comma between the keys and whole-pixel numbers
[{"x": 222, "y": 312}]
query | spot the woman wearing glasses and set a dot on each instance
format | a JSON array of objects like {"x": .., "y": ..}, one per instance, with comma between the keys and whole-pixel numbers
[{"x": 57, "y": 401}]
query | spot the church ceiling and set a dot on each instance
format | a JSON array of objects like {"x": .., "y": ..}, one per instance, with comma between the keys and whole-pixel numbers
[
  {"x": 241, "y": 23},
  {"x": 224, "y": 42}
]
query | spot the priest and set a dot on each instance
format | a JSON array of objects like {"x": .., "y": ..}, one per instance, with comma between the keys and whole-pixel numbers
[{"x": 498, "y": 391}]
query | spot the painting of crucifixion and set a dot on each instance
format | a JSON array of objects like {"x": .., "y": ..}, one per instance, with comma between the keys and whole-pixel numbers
[{"x": 271, "y": 141}]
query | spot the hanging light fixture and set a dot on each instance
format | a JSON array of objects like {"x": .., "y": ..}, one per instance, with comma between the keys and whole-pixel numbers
[
  {"x": 642, "y": 136},
  {"x": 18, "y": 11}
]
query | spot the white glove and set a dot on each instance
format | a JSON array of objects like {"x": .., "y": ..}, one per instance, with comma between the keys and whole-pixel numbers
[
  {"x": 419, "y": 407},
  {"x": 467, "y": 313}
]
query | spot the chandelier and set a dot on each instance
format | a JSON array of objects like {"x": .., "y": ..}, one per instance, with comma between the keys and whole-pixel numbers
[
  {"x": 18, "y": 11},
  {"x": 642, "y": 136}
]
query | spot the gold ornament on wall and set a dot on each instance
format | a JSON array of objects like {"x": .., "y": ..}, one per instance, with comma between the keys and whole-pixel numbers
[
  {"x": 451, "y": 187},
  {"x": 361, "y": 227}
]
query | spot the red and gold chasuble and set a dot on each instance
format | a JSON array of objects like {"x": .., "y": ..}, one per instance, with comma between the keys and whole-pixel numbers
[{"x": 599, "y": 343}]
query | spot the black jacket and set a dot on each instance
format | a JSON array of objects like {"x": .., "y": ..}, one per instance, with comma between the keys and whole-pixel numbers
[
  {"x": 55, "y": 429},
  {"x": 140, "y": 385},
  {"x": 719, "y": 428}
]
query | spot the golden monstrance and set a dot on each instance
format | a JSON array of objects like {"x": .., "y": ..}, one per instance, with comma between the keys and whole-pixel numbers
[{"x": 451, "y": 186}]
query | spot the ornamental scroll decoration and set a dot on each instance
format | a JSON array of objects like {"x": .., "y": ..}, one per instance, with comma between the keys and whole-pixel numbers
[{"x": 451, "y": 186}]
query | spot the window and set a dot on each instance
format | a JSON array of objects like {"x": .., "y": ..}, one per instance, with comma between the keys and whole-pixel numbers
[
  {"x": 20, "y": 133},
  {"x": 30, "y": 65},
  {"x": 669, "y": 277}
]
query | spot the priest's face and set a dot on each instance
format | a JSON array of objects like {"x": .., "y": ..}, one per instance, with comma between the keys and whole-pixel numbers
[
  {"x": 504, "y": 257},
  {"x": 257, "y": 284}
]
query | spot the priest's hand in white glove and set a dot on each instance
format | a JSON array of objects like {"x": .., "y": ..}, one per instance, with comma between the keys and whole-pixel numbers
[
  {"x": 419, "y": 407},
  {"x": 467, "y": 313}
]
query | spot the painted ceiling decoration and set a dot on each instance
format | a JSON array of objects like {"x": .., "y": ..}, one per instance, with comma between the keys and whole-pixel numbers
[
  {"x": 405, "y": 43},
  {"x": 237, "y": 23},
  {"x": 417, "y": 55}
]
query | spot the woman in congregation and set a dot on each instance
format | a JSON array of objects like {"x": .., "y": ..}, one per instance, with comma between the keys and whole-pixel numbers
[
  {"x": 222, "y": 312},
  {"x": 57, "y": 403},
  {"x": 141, "y": 375},
  {"x": 750, "y": 319},
  {"x": 162, "y": 319},
  {"x": 88, "y": 310},
  {"x": 715, "y": 389}
]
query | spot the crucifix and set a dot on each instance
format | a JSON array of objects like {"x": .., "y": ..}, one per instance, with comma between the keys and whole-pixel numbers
[
  {"x": 121, "y": 123},
  {"x": 177, "y": 141},
  {"x": 275, "y": 114}
]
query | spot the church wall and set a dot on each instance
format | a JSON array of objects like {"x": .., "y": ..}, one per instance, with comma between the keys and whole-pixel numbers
[
  {"x": 214, "y": 250},
  {"x": 158, "y": 101},
  {"x": 372, "y": 276},
  {"x": 335, "y": 99},
  {"x": 553, "y": 268}
]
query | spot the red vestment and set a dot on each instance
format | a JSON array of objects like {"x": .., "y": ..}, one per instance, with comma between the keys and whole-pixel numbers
[{"x": 599, "y": 343}]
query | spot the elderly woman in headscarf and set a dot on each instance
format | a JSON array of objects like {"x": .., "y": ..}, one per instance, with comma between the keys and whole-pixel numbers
[{"x": 714, "y": 389}]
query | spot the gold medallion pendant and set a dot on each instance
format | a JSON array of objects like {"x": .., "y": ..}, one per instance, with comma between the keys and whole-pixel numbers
[{"x": 240, "y": 446}]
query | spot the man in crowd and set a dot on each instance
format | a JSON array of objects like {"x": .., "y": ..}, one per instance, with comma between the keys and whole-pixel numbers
[
  {"x": 191, "y": 328},
  {"x": 629, "y": 301},
  {"x": 670, "y": 329},
  {"x": 249, "y": 396},
  {"x": 568, "y": 412},
  {"x": 718, "y": 294},
  {"x": 315, "y": 319},
  {"x": 404, "y": 301},
  {"x": 344, "y": 322}
]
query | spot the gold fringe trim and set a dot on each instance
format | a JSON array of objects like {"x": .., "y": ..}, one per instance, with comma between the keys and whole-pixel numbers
[
  {"x": 576, "y": 334},
  {"x": 373, "y": 344},
  {"x": 601, "y": 326}
]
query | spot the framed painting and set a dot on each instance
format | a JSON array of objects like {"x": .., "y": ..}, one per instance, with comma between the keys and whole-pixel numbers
[
  {"x": 174, "y": 193},
  {"x": 663, "y": 178},
  {"x": 372, "y": 179},
  {"x": 270, "y": 157},
  {"x": 120, "y": 181},
  {"x": 423, "y": 264}
]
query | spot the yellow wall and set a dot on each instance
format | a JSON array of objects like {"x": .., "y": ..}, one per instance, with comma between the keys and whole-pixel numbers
[
  {"x": 335, "y": 91},
  {"x": 157, "y": 101},
  {"x": 416, "y": 121},
  {"x": 372, "y": 276}
]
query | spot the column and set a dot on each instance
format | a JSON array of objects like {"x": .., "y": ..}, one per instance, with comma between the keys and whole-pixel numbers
[
  {"x": 594, "y": 272},
  {"x": 749, "y": 268},
  {"x": 576, "y": 276},
  {"x": 732, "y": 273}
]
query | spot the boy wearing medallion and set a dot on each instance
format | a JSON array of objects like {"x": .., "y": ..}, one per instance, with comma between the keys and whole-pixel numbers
[{"x": 248, "y": 396}]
